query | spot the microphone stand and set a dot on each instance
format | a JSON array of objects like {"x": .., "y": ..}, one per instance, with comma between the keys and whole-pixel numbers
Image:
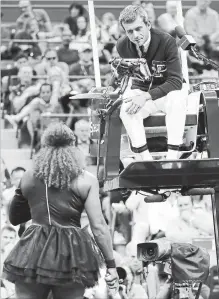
[{"x": 203, "y": 58}]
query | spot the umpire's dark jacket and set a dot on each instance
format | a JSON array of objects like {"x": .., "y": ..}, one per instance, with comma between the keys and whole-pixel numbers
[{"x": 162, "y": 56}]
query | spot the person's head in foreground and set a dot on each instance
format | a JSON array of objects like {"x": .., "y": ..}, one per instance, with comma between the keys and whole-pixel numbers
[
  {"x": 58, "y": 162},
  {"x": 134, "y": 20},
  {"x": 8, "y": 236},
  {"x": 16, "y": 175}
]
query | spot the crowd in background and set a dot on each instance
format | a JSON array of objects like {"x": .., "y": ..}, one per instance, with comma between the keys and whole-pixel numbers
[{"x": 48, "y": 65}]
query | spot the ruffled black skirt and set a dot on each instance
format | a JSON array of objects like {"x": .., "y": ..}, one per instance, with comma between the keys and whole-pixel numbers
[{"x": 54, "y": 256}]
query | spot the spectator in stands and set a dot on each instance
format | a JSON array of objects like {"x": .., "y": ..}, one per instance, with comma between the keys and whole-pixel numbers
[
  {"x": 108, "y": 20},
  {"x": 104, "y": 33},
  {"x": 29, "y": 32},
  {"x": 5, "y": 30},
  {"x": 6, "y": 33},
  {"x": 189, "y": 223},
  {"x": 37, "y": 106},
  {"x": 83, "y": 32},
  {"x": 25, "y": 90},
  {"x": 201, "y": 20},
  {"x": 32, "y": 32},
  {"x": 20, "y": 60},
  {"x": 116, "y": 31},
  {"x": 82, "y": 133},
  {"x": 8, "y": 238},
  {"x": 151, "y": 14},
  {"x": 27, "y": 13},
  {"x": 65, "y": 54},
  {"x": 34, "y": 58},
  {"x": 84, "y": 67},
  {"x": 76, "y": 10},
  {"x": 168, "y": 21},
  {"x": 60, "y": 84},
  {"x": 7, "y": 82},
  {"x": 30, "y": 115},
  {"x": 83, "y": 85},
  {"x": 55, "y": 77},
  {"x": 50, "y": 60}
]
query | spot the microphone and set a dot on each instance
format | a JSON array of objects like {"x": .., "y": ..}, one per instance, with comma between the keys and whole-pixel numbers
[
  {"x": 186, "y": 42},
  {"x": 155, "y": 198}
]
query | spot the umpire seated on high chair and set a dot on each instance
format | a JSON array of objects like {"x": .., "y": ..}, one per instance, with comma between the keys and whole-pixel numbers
[{"x": 164, "y": 92}]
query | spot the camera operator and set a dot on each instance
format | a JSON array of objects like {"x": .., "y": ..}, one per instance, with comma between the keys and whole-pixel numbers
[{"x": 131, "y": 279}]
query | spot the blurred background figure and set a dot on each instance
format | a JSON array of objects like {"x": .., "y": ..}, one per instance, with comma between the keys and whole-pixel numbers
[
  {"x": 50, "y": 60},
  {"x": 201, "y": 21},
  {"x": 84, "y": 66},
  {"x": 8, "y": 240},
  {"x": 26, "y": 89},
  {"x": 168, "y": 21},
  {"x": 82, "y": 132},
  {"x": 75, "y": 11},
  {"x": 28, "y": 13},
  {"x": 65, "y": 54},
  {"x": 149, "y": 7},
  {"x": 189, "y": 224}
]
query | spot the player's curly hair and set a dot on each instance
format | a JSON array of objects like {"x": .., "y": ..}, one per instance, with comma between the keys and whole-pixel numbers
[
  {"x": 130, "y": 13},
  {"x": 58, "y": 162}
]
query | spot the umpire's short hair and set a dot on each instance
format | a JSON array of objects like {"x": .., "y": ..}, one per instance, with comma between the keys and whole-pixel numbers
[{"x": 130, "y": 13}]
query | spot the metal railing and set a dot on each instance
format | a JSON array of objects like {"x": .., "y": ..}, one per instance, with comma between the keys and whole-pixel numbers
[
  {"x": 192, "y": 79},
  {"x": 97, "y": 6}
]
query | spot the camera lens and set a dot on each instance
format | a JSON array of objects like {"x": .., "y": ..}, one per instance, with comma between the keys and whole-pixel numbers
[{"x": 150, "y": 251}]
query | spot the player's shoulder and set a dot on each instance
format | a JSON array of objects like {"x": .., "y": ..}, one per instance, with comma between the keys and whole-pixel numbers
[
  {"x": 123, "y": 40},
  {"x": 159, "y": 34},
  {"x": 87, "y": 180}
]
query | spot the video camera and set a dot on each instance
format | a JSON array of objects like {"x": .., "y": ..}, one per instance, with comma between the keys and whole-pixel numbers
[
  {"x": 187, "y": 262},
  {"x": 159, "y": 250}
]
